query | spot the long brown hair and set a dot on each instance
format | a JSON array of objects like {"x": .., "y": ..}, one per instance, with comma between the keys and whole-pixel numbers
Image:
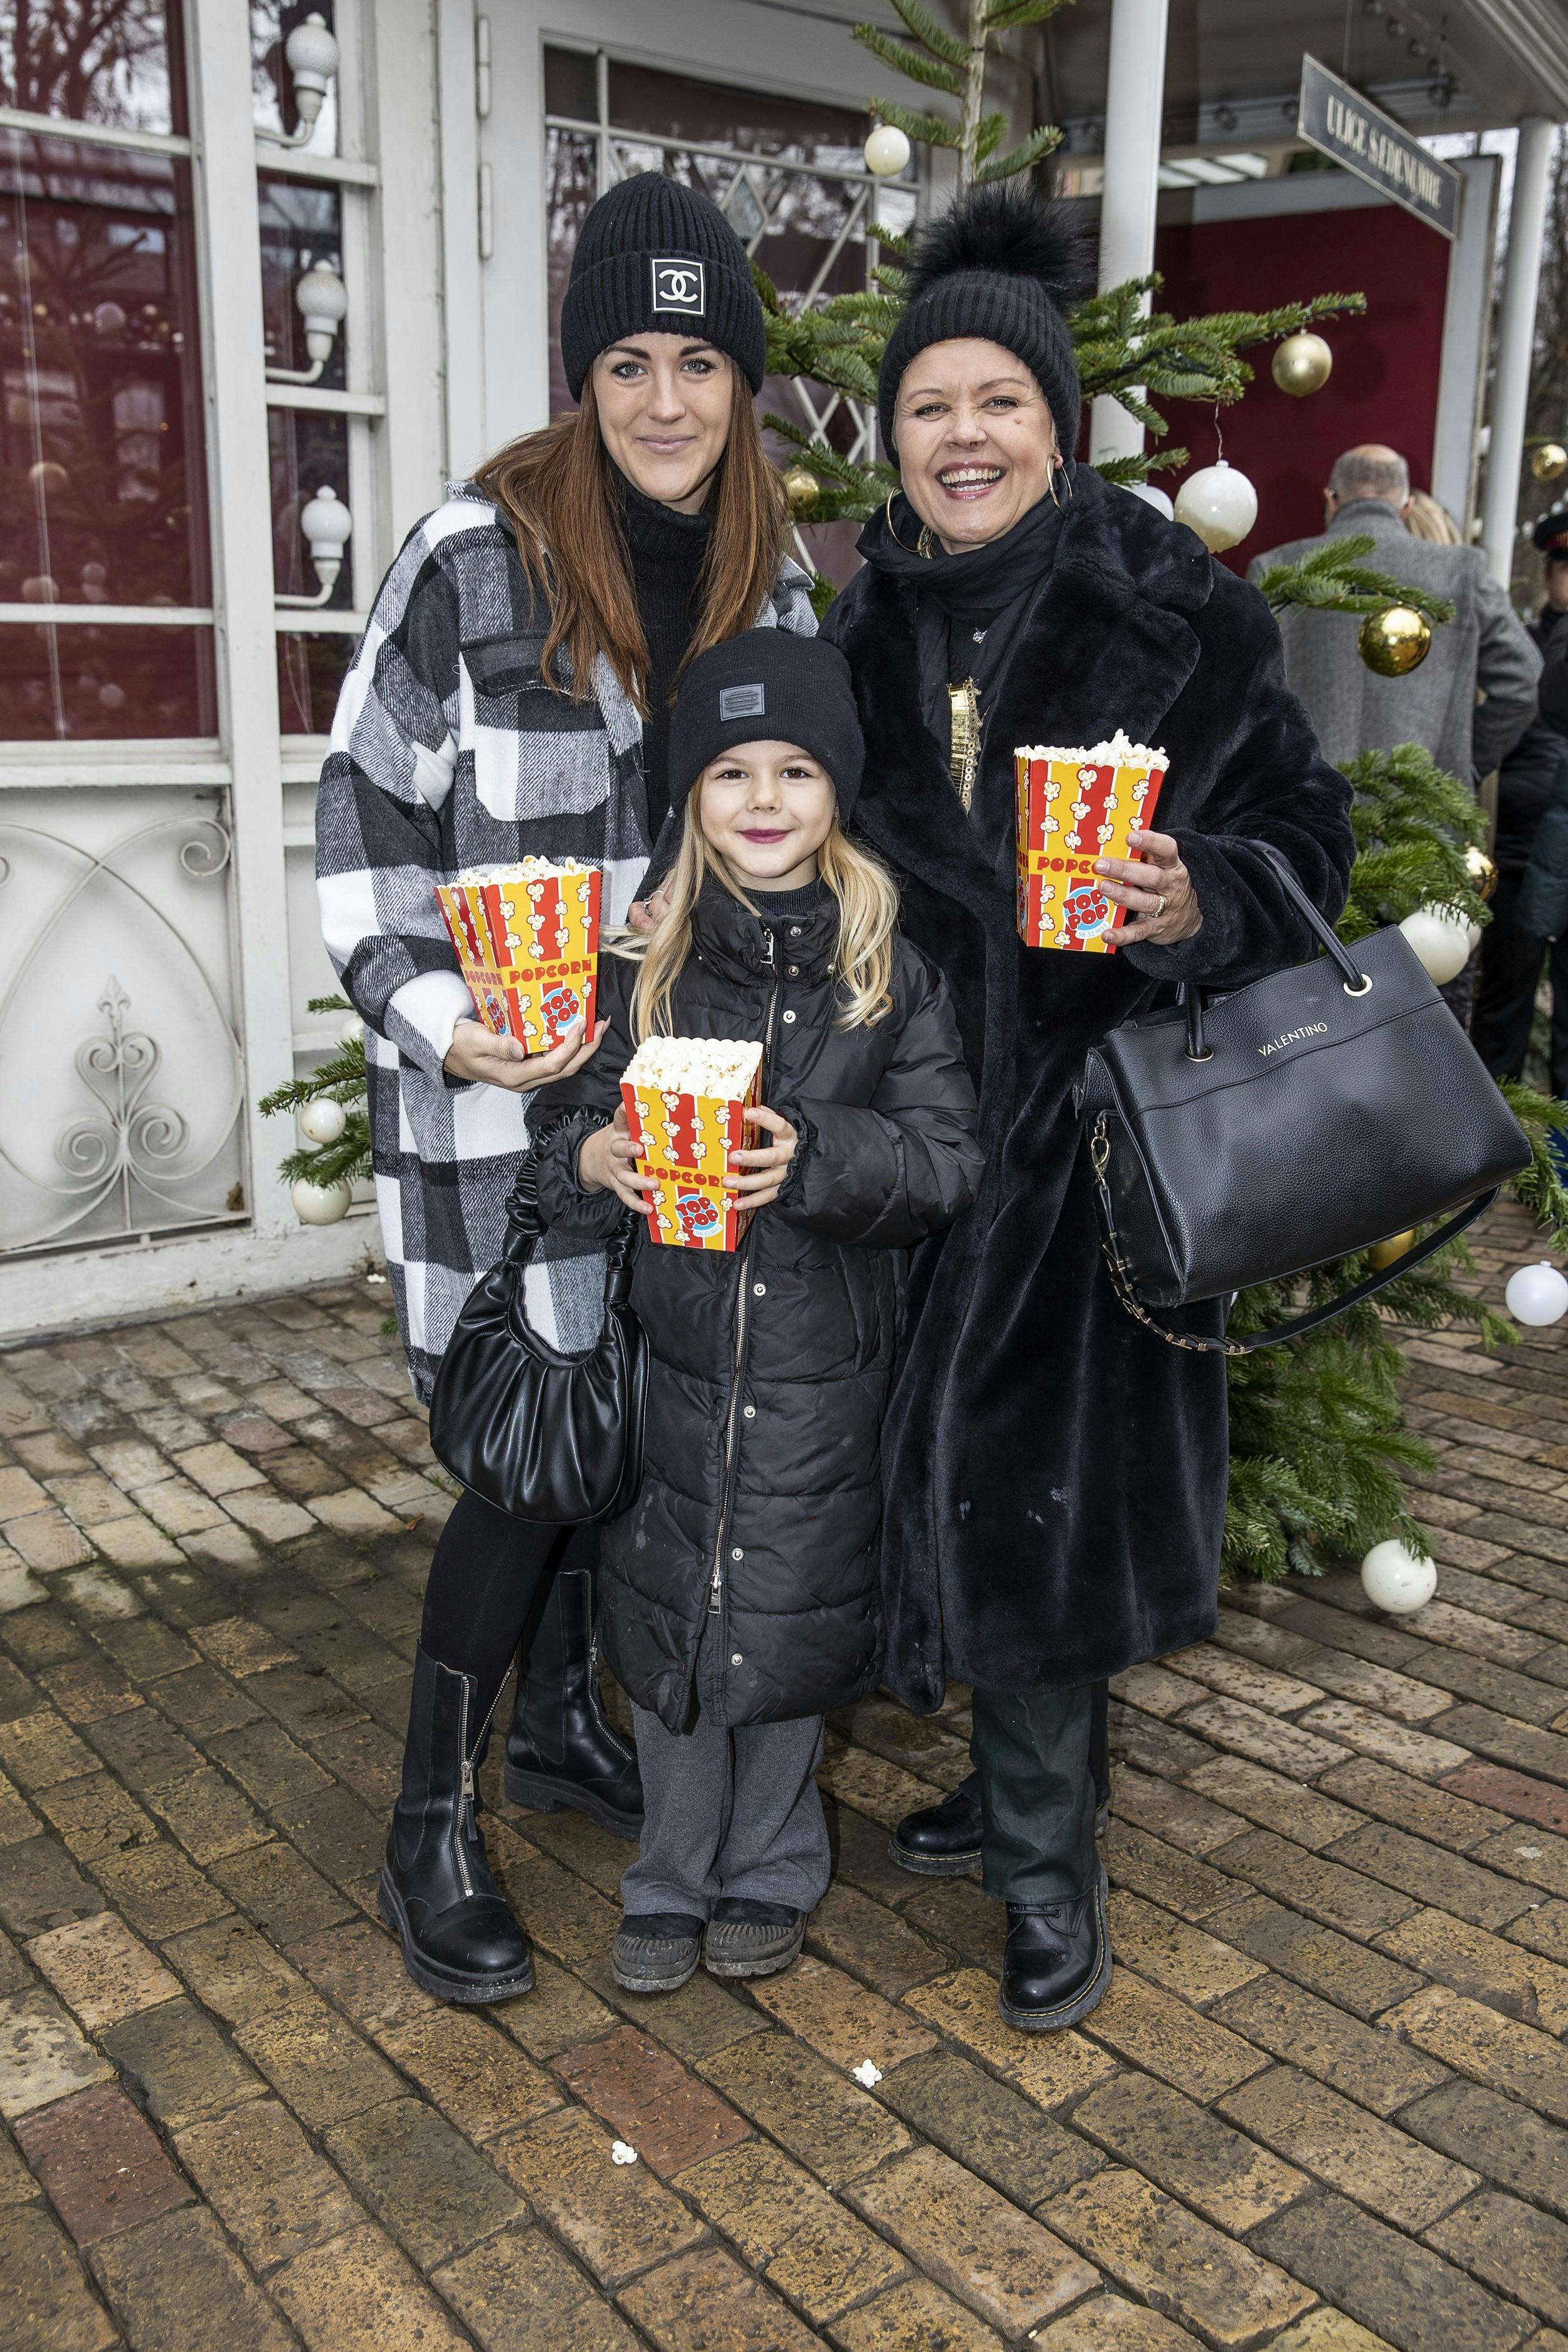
[
  {"x": 556, "y": 487},
  {"x": 868, "y": 917}
]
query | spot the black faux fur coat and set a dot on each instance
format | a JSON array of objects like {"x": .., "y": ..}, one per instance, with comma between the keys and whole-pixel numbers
[{"x": 1056, "y": 1474}]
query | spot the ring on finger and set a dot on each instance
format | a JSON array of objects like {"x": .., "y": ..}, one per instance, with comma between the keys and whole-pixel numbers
[{"x": 1159, "y": 905}]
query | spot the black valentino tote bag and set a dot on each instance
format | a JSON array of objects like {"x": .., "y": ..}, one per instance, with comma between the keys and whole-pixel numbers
[
  {"x": 1251, "y": 1137},
  {"x": 542, "y": 1435}
]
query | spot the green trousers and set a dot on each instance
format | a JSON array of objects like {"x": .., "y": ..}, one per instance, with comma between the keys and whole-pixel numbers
[{"x": 1033, "y": 1761}]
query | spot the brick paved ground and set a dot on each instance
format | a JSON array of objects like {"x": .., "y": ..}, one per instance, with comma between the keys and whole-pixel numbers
[{"x": 1324, "y": 2107}]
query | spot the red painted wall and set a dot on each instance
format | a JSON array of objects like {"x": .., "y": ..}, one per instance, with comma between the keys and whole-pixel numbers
[{"x": 1384, "y": 382}]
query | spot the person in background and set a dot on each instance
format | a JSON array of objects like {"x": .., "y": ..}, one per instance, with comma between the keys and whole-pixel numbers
[
  {"x": 1425, "y": 518},
  {"x": 1473, "y": 696},
  {"x": 512, "y": 698},
  {"x": 1511, "y": 955}
]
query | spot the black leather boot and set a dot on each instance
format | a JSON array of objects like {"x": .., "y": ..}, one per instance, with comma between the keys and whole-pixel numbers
[
  {"x": 943, "y": 1841},
  {"x": 1056, "y": 1966},
  {"x": 560, "y": 1750},
  {"x": 459, "y": 1938}
]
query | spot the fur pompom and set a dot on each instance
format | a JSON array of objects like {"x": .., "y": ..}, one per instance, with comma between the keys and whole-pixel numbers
[{"x": 995, "y": 228}]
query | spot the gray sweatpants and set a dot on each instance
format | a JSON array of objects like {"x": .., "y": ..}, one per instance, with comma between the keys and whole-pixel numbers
[{"x": 728, "y": 1812}]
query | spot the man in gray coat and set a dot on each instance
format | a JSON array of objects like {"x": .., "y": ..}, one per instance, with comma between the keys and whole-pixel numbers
[{"x": 1483, "y": 649}]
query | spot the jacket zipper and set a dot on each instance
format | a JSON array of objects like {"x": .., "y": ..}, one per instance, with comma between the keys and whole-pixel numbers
[{"x": 738, "y": 1353}]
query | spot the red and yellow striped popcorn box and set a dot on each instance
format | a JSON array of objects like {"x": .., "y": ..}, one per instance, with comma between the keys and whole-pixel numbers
[
  {"x": 1078, "y": 804},
  {"x": 686, "y": 1100},
  {"x": 527, "y": 937}
]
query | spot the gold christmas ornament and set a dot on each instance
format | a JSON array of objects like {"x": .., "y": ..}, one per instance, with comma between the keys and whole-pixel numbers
[
  {"x": 1301, "y": 363},
  {"x": 1549, "y": 461},
  {"x": 1481, "y": 871},
  {"x": 801, "y": 489},
  {"x": 1383, "y": 1253},
  {"x": 1394, "y": 641}
]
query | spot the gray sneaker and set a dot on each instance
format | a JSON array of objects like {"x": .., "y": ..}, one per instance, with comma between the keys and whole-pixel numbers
[
  {"x": 751, "y": 1939},
  {"x": 656, "y": 1952}
]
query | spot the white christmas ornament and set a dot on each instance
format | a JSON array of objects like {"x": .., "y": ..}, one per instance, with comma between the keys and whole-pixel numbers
[
  {"x": 1397, "y": 1580},
  {"x": 323, "y": 1121},
  {"x": 886, "y": 150},
  {"x": 353, "y": 1030},
  {"x": 1152, "y": 497},
  {"x": 319, "y": 1204},
  {"x": 1220, "y": 504},
  {"x": 1441, "y": 939},
  {"x": 1537, "y": 1294}
]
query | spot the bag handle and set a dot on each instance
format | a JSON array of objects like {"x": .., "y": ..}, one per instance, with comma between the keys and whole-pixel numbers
[
  {"x": 1121, "y": 1269},
  {"x": 1355, "y": 982},
  {"x": 525, "y": 1227}
]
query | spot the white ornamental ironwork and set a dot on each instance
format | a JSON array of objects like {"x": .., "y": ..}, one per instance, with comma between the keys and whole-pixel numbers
[{"x": 130, "y": 1155}]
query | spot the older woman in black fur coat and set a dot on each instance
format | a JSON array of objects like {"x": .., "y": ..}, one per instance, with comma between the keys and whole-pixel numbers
[{"x": 1054, "y": 1473}]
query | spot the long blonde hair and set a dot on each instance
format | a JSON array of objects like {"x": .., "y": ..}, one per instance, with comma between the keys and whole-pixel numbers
[{"x": 868, "y": 918}]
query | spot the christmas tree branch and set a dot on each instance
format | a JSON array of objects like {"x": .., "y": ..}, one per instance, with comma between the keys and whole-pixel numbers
[{"x": 1333, "y": 578}]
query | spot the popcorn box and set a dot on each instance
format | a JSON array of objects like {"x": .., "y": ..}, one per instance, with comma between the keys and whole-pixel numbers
[
  {"x": 1077, "y": 803},
  {"x": 685, "y": 1098},
  {"x": 527, "y": 937}
]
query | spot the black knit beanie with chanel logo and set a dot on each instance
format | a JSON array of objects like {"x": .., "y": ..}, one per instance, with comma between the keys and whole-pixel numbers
[
  {"x": 1005, "y": 269},
  {"x": 656, "y": 258},
  {"x": 768, "y": 687}
]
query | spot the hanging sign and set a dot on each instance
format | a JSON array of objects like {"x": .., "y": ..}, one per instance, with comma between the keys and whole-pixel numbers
[{"x": 1342, "y": 124}]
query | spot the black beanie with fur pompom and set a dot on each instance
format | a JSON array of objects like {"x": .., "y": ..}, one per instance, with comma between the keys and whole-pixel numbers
[{"x": 1005, "y": 269}]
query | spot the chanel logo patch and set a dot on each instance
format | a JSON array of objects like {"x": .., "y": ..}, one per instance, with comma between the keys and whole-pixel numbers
[
  {"x": 679, "y": 286},
  {"x": 741, "y": 702}
]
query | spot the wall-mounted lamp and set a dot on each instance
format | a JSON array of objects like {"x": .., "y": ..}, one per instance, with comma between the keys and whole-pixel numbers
[
  {"x": 322, "y": 300},
  {"x": 326, "y": 523},
  {"x": 310, "y": 55}
]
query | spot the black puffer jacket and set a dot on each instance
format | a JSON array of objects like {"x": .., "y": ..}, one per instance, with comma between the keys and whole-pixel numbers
[{"x": 761, "y": 1496}]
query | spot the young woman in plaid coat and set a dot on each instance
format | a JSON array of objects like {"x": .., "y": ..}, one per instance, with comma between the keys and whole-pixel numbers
[{"x": 511, "y": 698}]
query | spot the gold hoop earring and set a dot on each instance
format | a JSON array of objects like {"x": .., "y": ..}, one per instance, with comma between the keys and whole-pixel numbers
[
  {"x": 1051, "y": 488},
  {"x": 921, "y": 546}
]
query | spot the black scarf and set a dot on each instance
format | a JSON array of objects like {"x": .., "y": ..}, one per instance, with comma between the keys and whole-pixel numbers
[
  {"x": 668, "y": 552},
  {"x": 971, "y": 606}
]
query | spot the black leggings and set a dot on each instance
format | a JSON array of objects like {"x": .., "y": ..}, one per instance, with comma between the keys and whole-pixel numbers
[{"x": 488, "y": 1586}]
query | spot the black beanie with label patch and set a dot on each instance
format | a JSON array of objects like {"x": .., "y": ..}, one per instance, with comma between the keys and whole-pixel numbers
[
  {"x": 768, "y": 687},
  {"x": 656, "y": 259}
]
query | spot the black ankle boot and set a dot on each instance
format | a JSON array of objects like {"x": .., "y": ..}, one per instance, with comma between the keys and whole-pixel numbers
[
  {"x": 560, "y": 1750},
  {"x": 1056, "y": 1966},
  {"x": 943, "y": 1841},
  {"x": 459, "y": 1939}
]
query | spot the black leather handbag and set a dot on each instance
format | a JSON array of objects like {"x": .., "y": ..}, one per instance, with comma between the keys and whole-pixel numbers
[
  {"x": 543, "y": 1436},
  {"x": 1249, "y": 1138}
]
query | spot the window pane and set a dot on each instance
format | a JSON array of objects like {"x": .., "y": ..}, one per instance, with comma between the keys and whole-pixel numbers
[
  {"x": 571, "y": 181},
  {"x": 116, "y": 61},
  {"x": 675, "y": 106},
  {"x": 570, "y": 79},
  {"x": 299, "y": 226},
  {"x": 272, "y": 84},
  {"x": 80, "y": 684},
  {"x": 309, "y": 453},
  {"x": 102, "y": 499},
  {"x": 310, "y": 672}
]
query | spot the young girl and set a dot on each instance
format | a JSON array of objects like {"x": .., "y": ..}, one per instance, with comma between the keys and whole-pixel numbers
[{"x": 740, "y": 1594}]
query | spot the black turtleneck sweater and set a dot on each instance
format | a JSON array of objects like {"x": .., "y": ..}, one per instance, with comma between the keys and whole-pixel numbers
[{"x": 668, "y": 552}]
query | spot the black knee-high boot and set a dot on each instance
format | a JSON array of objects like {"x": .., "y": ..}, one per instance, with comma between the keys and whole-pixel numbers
[
  {"x": 459, "y": 1938},
  {"x": 560, "y": 1749}
]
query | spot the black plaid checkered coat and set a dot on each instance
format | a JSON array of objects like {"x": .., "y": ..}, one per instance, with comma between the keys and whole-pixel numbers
[{"x": 449, "y": 751}]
